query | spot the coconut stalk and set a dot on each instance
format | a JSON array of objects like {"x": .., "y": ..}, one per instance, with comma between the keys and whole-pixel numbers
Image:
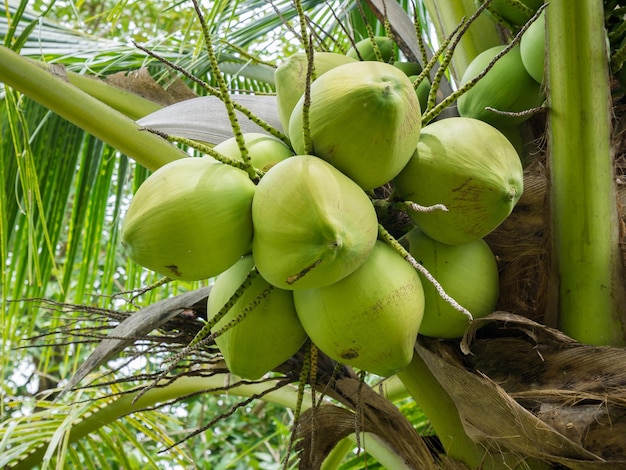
[
  {"x": 587, "y": 276},
  {"x": 129, "y": 104},
  {"x": 443, "y": 415},
  {"x": 87, "y": 112}
]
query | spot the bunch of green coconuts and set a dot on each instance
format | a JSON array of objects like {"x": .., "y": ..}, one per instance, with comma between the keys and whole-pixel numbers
[{"x": 302, "y": 253}]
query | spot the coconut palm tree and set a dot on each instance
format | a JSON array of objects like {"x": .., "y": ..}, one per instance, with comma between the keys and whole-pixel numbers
[{"x": 73, "y": 154}]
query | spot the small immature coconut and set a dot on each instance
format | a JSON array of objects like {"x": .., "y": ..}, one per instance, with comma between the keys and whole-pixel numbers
[
  {"x": 422, "y": 90},
  {"x": 312, "y": 224},
  {"x": 472, "y": 169},
  {"x": 364, "y": 49},
  {"x": 264, "y": 150},
  {"x": 409, "y": 68},
  {"x": 468, "y": 273},
  {"x": 515, "y": 13},
  {"x": 364, "y": 119},
  {"x": 533, "y": 47},
  {"x": 506, "y": 87},
  {"x": 369, "y": 319},
  {"x": 267, "y": 336},
  {"x": 290, "y": 78},
  {"x": 191, "y": 219}
]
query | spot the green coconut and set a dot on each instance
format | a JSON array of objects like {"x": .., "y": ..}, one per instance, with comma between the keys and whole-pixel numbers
[
  {"x": 422, "y": 90},
  {"x": 191, "y": 219},
  {"x": 312, "y": 224},
  {"x": 267, "y": 336},
  {"x": 507, "y": 87},
  {"x": 364, "y": 49},
  {"x": 290, "y": 79},
  {"x": 369, "y": 319},
  {"x": 471, "y": 168},
  {"x": 468, "y": 273},
  {"x": 533, "y": 47},
  {"x": 264, "y": 150},
  {"x": 364, "y": 119},
  {"x": 516, "y": 12},
  {"x": 409, "y": 68}
]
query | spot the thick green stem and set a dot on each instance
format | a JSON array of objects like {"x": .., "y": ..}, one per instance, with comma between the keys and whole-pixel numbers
[
  {"x": 377, "y": 447},
  {"x": 127, "y": 103},
  {"x": 338, "y": 454},
  {"x": 586, "y": 257},
  {"x": 85, "y": 111},
  {"x": 442, "y": 413}
]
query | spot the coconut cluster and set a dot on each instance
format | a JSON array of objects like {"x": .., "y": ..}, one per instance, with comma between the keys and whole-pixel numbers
[{"x": 301, "y": 253}]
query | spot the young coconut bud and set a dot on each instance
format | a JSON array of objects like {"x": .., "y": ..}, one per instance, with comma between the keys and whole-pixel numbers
[
  {"x": 364, "y": 119},
  {"x": 506, "y": 87},
  {"x": 191, "y": 219},
  {"x": 290, "y": 79},
  {"x": 312, "y": 224},
  {"x": 468, "y": 273},
  {"x": 364, "y": 49},
  {"x": 472, "y": 169},
  {"x": 369, "y": 319},
  {"x": 267, "y": 336},
  {"x": 264, "y": 150}
]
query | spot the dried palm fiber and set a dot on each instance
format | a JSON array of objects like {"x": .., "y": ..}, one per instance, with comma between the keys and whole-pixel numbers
[
  {"x": 522, "y": 242},
  {"x": 549, "y": 397}
]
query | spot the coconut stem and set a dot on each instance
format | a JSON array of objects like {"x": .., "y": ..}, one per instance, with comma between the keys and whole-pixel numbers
[
  {"x": 225, "y": 95},
  {"x": 305, "y": 374},
  {"x": 587, "y": 266},
  {"x": 442, "y": 413},
  {"x": 415, "y": 207},
  {"x": 241, "y": 316},
  {"x": 204, "y": 336},
  {"x": 126, "y": 102},
  {"x": 211, "y": 90},
  {"x": 306, "y": 105},
  {"x": 211, "y": 322},
  {"x": 385, "y": 236},
  {"x": 420, "y": 38},
  {"x": 200, "y": 147}
]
